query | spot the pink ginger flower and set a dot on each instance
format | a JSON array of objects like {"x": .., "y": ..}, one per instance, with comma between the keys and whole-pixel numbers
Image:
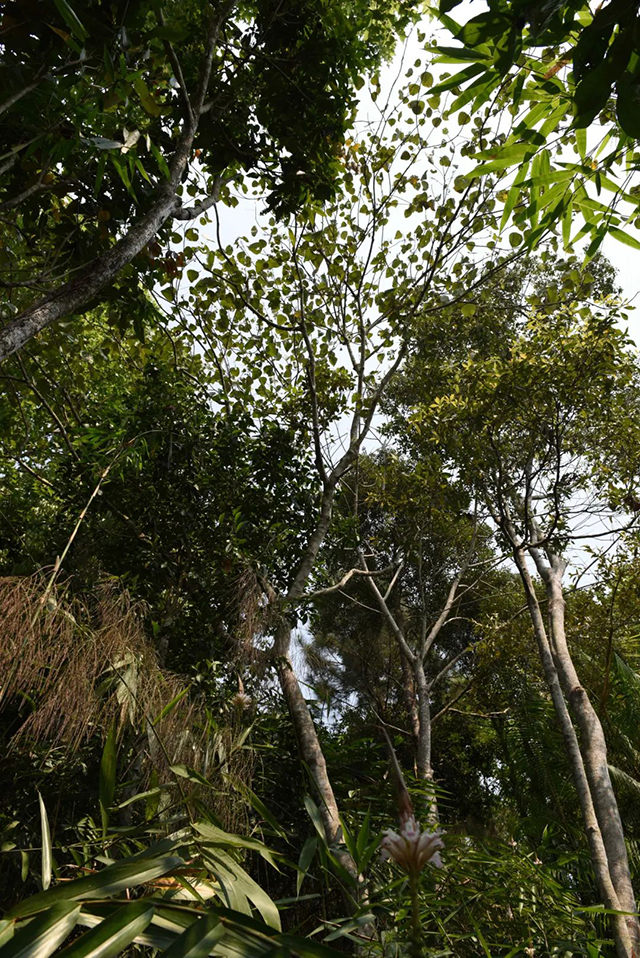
[{"x": 412, "y": 848}]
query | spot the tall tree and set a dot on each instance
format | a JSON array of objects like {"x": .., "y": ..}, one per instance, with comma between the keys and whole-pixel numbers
[{"x": 538, "y": 466}]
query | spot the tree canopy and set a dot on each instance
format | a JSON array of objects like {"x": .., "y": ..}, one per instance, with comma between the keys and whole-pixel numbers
[{"x": 328, "y": 525}]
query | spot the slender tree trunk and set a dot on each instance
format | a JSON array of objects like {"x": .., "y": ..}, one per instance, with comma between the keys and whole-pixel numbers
[
  {"x": 599, "y": 859},
  {"x": 309, "y": 743},
  {"x": 423, "y": 756},
  {"x": 594, "y": 750},
  {"x": 409, "y": 695}
]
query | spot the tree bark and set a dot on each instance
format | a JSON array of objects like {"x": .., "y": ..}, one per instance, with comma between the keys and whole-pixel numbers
[
  {"x": 409, "y": 694},
  {"x": 608, "y": 892},
  {"x": 309, "y": 743},
  {"x": 594, "y": 750},
  {"x": 423, "y": 755}
]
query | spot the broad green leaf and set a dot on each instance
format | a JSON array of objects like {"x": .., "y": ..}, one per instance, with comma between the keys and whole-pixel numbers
[
  {"x": 306, "y": 857},
  {"x": 219, "y": 838},
  {"x": 625, "y": 238},
  {"x": 40, "y": 937},
  {"x": 461, "y": 77},
  {"x": 237, "y": 877},
  {"x": 314, "y": 815},
  {"x": 364, "y": 835},
  {"x": 169, "y": 707},
  {"x": 141, "y": 796},
  {"x": 112, "y": 935},
  {"x": 46, "y": 844},
  {"x": 149, "y": 103},
  {"x": 7, "y": 929},
  {"x": 185, "y": 771},
  {"x": 513, "y": 195}
]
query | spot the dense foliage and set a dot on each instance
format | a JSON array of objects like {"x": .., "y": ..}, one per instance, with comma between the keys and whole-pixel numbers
[{"x": 309, "y": 530}]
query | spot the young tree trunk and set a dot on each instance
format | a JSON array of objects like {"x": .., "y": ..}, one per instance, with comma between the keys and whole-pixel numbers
[
  {"x": 423, "y": 755},
  {"x": 609, "y": 895}
]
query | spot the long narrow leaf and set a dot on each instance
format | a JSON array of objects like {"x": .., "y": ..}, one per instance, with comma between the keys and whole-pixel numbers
[
  {"x": 110, "y": 880},
  {"x": 46, "y": 844},
  {"x": 40, "y": 938},
  {"x": 198, "y": 940},
  {"x": 113, "y": 935}
]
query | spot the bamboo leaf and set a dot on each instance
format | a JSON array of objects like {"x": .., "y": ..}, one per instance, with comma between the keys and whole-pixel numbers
[
  {"x": 40, "y": 938},
  {"x": 306, "y": 857},
  {"x": 198, "y": 940},
  {"x": 110, "y": 880},
  {"x": 113, "y": 934},
  {"x": 46, "y": 844}
]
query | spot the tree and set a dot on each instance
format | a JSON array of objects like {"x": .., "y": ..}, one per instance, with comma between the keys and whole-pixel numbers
[
  {"x": 416, "y": 556},
  {"x": 201, "y": 93},
  {"x": 538, "y": 467}
]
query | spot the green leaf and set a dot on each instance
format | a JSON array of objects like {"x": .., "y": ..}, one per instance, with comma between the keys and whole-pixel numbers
[
  {"x": 70, "y": 18},
  {"x": 198, "y": 940},
  {"x": 169, "y": 707},
  {"x": 218, "y": 838},
  {"x": 306, "y": 857},
  {"x": 625, "y": 238},
  {"x": 314, "y": 815},
  {"x": 7, "y": 929},
  {"x": 46, "y": 844},
  {"x": 461, "y": 77},
  {"x": 141, "y": 796},
  {"x": 40, "y": 938},
  {"x": 114, "y": 878},
  {"x": 258, "y": 805},
  {"x": 113, "y": 934},
  {"x": 149, "y": 103},
  {"x": 502, "y": 159},
  {"x": 581, "y": 141},
  {"x": 364, "y": 835},
  {"x": 185, "y": 771},
  {"x": 513, "y": 195},
  {"x": 107, "y": 778},
  {"x": 236, "y": 879}
]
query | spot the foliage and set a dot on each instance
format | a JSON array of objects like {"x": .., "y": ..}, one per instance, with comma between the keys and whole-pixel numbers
[{"x": 547, "y": 73}]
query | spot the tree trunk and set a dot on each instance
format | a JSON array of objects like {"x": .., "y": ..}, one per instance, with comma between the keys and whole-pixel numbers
[
  {"x": 409, "y": 695},
  {"x": 594, "y": 750},
  {"x": 309, "y": 744},
  {"x": 423, "y": 756},
  {"x": 599, "y": 859}
]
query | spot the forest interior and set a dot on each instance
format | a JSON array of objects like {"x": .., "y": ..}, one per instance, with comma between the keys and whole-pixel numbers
[{"x": 319, "y": 478}]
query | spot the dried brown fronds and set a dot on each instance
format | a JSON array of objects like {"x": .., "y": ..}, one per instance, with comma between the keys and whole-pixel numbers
[
  {"x": 255, "y": 611},
  {"x": 76, "y": 672},
  {"x": 72, "y": 672}
]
